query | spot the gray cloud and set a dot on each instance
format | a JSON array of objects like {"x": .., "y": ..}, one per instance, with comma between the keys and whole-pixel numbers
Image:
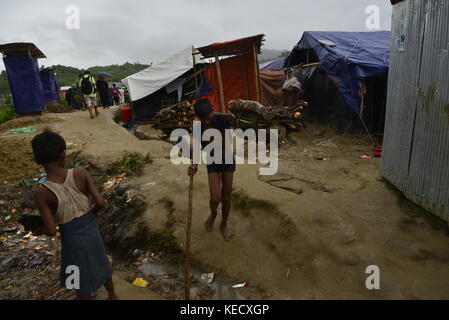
[{"x": 119, "y": 31}]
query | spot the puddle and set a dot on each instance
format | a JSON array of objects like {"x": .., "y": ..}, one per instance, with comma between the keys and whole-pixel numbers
[{"x": 221, "y": 290}]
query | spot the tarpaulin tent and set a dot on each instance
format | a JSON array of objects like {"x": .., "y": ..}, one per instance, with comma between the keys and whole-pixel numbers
[
  {"x": 151, "y": 79},
  {"x": 49, "y": 85},
  {"x": 272, "y": 78},
  {"x": 237, "y": 79},
  {"x": 271, "y": 83},
  {"x": 164, "y": 80},
  {"x": 277, "y": 64},
  {"x": 346, "y": 57},
  {"x": 327, "y": 107},
  {"x": 25, "y": 84},
  {"x": 24, "y": 80},
  {"x": 232, "y": 78}
]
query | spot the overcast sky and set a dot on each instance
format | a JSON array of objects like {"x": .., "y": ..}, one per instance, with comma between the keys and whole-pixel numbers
[{"x": 113, "y": 32}]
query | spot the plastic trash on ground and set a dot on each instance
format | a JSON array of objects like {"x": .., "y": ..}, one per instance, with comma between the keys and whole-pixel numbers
[
  {"x": 139, "y": 282},
  {"x": 208, "y": 277},
  {"x": 240, "y": 285}
]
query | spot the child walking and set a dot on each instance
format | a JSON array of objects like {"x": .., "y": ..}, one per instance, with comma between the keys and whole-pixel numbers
[{"x": 63, "y": 201}]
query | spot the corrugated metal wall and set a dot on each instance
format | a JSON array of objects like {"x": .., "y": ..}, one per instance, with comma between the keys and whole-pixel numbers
[{"x": 416, "y": 140}]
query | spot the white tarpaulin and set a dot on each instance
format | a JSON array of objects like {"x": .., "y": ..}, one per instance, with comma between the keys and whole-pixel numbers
[{"x": 151, "y": 79}]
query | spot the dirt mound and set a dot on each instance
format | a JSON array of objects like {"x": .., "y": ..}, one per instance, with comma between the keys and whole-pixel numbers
[
  {"x": 57, "y": 108},
  {"x": 37, "y": 120},
  {"x": 16, "y": 160}
]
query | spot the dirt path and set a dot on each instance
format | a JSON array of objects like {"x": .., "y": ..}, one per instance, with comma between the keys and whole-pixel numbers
[{"x": 308, "y": 232}]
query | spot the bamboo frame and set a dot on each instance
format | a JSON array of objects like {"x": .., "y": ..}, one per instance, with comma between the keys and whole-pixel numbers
[
  {"x": 310, "y": 64},
  {"x": 188, "y": 239},
  {"x": 256, "y": 72},
  {"x": 220, "y": 83},
  {"x": 194, "y": 73},
  {"x": 245, "y": 77}
]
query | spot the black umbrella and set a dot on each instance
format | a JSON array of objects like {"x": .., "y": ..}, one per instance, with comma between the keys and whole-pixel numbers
[{"x": 104, "y": 75}]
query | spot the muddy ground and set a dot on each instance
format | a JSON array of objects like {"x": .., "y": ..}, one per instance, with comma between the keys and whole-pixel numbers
[{"x": 308, "y": 232}]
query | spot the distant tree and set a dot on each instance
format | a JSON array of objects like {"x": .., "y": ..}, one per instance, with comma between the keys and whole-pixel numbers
[{"x": 66, "y": 75}]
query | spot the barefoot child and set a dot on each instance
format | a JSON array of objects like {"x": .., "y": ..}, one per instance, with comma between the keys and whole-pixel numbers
[
  {"x": 63, "y": 201},
  {"x": 219, "y": 175}
]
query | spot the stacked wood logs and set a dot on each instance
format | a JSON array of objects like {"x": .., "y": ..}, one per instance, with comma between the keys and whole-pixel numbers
[
  {"x": 180, "y": 115},
  {"x": 252, "y": 114},
  {"x": 244, "y": 114}
]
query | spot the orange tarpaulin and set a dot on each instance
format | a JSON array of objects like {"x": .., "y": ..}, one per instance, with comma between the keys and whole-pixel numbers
[{"x": 239, "y": 80}]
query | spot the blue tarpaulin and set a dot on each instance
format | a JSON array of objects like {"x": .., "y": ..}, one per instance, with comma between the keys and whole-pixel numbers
[
  {"x": 25, "y": 83},
  {"x": 277, "y": 64},
  {"x": 50, "y": 86},
  {"x": 347, "y": 58}
]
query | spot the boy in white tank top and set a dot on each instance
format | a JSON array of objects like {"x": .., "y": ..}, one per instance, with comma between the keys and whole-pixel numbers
[{"x": 63, "y": 201}]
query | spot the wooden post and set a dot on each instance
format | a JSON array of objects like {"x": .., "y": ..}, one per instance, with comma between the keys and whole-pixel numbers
[
  {"x": 194, "y": 72},
  {"x": 220, "y": 83},
  {"x": 188, "y": 237},
  {"x": 256, "y": 72},
  {"x": 245, "y": 76}
]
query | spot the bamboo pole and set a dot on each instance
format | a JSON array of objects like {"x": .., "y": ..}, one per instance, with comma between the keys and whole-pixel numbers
[
  {"x": 188, "y": 237},
  {"x": 310, "y": 64},
  {"x": 256, "y": 72},
  {"x": 194, "y": 72},
  {"x": 220, "y": 83},
  {"x": 245, "y": 76}
]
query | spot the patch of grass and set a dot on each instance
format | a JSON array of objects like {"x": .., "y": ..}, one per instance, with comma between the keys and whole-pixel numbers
[
  {"x": 167, "y": 202},
  {"x": 244, "y": 203},
  {"x": 132, "y": 162},
  {"x": 415, "y": 210},
  {"x": 77, "y": 159},
  {"x": 169, "y": 206},
  {"x": 164, "y": 242},
  {"x": 7, "y": 113}
]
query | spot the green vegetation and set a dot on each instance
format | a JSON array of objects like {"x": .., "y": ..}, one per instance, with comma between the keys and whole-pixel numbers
[
  {"x": 6, "y": 113},
  {"x": 165, "y": 242},
  {"x": 66, "y": 75},
  {"x": 270, "y": 55},
  {"x": 244, "y": 203},
  {"x": 416, "y": 211},
  {"x": 132, "y": 162}
]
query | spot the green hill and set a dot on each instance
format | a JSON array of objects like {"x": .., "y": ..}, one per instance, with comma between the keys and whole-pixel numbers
[
  {"x": 270, "y": 54},
  {"x": 65, "y": 75}
]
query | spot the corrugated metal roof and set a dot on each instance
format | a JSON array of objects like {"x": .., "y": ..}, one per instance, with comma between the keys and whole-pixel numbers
[{"x": 416, "y": 140}]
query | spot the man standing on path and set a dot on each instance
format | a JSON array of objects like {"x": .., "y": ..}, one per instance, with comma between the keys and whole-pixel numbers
[{"x": 87, "y": 85}]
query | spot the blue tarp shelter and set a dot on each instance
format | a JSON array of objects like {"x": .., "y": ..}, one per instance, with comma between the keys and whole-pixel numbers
[
  {"x": 25, "y": 83},
  {"x": 346, "y": 57},
  {"x": 277, "y": 64},
  {"x": 50, "y": 87},
  {"x": 24, "y": 79}
]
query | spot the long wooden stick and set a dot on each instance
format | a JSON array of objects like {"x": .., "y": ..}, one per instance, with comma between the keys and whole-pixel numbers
[
  {"x": 256, "y": 73},
  {"x": 220, "y": 83},
  {"x": 187, "y": 252}
]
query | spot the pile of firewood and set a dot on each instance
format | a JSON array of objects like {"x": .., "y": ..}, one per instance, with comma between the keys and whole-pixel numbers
[
  {"x": 180, "y": 115},
  {"x": 252, "y": 114},
  {"x": 244, "y": 114}
]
